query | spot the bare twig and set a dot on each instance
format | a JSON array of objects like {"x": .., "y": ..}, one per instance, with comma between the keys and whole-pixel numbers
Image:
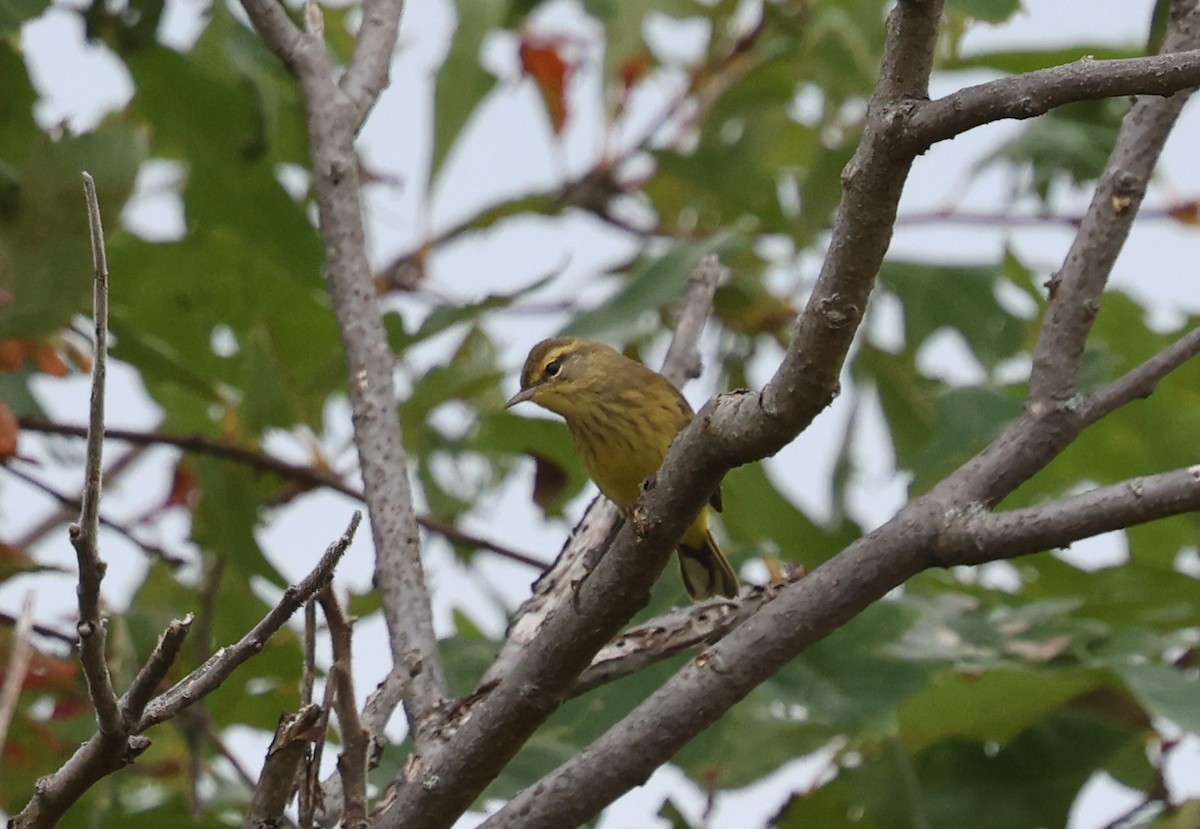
[
  {"x": 308, "y": 476},
  {"x": 68, "y": 511},
  {"x": 152, "y": 550},
  {"x": 682, "y": 362},
  {"x": 84, "y": 535},
  {"x": 669, "y": 634},
  {"x": 18, "y": 666},
  {"x": 209, "y": 676},
  {"x": 1141, "y": 381},
  {"x": 992, "y": 536},
  {"x": 105, "y": 753},
  {"x": 367, "y": 74},
  {"x": 41, "y": 630},
  {"x": 134, "y": 702},
  {"x": 356, "y": 741},
  {"x": 278, "y": 778}
]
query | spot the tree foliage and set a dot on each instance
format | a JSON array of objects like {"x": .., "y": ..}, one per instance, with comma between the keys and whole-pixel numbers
[{"x": 982, "y": 696}]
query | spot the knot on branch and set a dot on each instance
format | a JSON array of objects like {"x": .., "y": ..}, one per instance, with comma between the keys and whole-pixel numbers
[{"x": 835, "y": 314}]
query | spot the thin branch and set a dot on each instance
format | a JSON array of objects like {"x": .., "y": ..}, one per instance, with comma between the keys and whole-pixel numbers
[
  {"x": 309, "y": 476},
  {"x": 152, "y": 550},
  {"x": 53, "y": 521},
  {"x": 356, "y": 741},
  {"x": 41, "y": 630},
  {"x": 1141, "y": 381},
  {"x": 682, "y": 362},
  {"x": 367, "y": 75},
  {"x": 333, "y": 119},
  {"x": 105, "y": 753},
  {"x": 278, "y": 778},
  {"x": 209, "y": 676},
  {"x": 1036, "y": 93},
  {"x": 674, "y": 632},
  {"x": 19, "y": 656},
  {"x": 84, "y": 534},
  {"x": 982, "y": 537},
  {"x": 154, "y": 671},
  {"x": 376, "y": 713},
  {"x": 308, "y": 793},
  {"x": 993, "y": 221}
]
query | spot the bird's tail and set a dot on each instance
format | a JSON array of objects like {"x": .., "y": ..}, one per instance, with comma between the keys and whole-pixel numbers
[{"x": 705, "y": 570}]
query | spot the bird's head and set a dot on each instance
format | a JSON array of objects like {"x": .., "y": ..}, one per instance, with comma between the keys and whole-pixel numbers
[{"x": 564, "y": 373}]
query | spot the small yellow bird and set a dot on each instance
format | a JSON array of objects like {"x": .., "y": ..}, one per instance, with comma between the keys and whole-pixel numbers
[{"x": 622, "y": 417}]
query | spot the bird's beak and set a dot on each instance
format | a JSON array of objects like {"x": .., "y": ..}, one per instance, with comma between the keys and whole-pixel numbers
[{"x": 520, "y": 397}]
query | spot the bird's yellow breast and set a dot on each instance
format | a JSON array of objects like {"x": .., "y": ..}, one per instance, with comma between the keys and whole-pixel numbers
[{"x": 624, "y": 441}]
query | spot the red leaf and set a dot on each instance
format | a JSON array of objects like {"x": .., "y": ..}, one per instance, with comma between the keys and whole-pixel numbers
[
  {"x": 9, "y": 432},
  {"x": 12, "y": 354},
  {"x": 543, "y": 61},
  {"x": 184, "y": 490}
]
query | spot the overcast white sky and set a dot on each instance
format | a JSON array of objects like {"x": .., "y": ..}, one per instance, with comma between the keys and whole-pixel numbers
[{"x": 80, "y": 83}]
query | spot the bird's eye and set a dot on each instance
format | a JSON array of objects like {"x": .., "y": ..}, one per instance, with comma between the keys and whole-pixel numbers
[{"x": 553, "y": 368}]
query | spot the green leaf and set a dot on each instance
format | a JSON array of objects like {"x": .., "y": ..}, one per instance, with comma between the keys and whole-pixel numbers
[
  {"x": 832, "y": 689},
  {"x": 45, "y": 246},
  {"x": 1165, "y": 690},
  {"x": 462, "y": 82},
  {"x": 958, "y": 297},
  {"x": 757, "y": 515},
  {"x": 14, "y": 13},
  {"x": 965, "y": 420},
  {"x": 1068, "y": 144},
  {"x": 654, "y": 282},
  {"x": 993, "y": 11},
  {"x": 992, "y": 706}
]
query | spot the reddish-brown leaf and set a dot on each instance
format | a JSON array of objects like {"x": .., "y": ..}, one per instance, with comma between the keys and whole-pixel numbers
[
  {"x": 49, "y": 360},
  {"x": 10, "y": 432},
  {"x": 1187, "y": 212},
  {"x": 543, "y": 61},
  {"x": 549, "y": 481}
]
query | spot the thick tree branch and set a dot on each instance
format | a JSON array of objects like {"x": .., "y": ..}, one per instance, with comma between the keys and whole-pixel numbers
[
  {"x": 1055, "y": 414},
  {"x": 737, "y": 427},
  {"x": 575, "y": 609},
  {"x": 333, "y": 119},
  {"x": 1036, "y": 93},
  {"x": 1075, "y": 291}
]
